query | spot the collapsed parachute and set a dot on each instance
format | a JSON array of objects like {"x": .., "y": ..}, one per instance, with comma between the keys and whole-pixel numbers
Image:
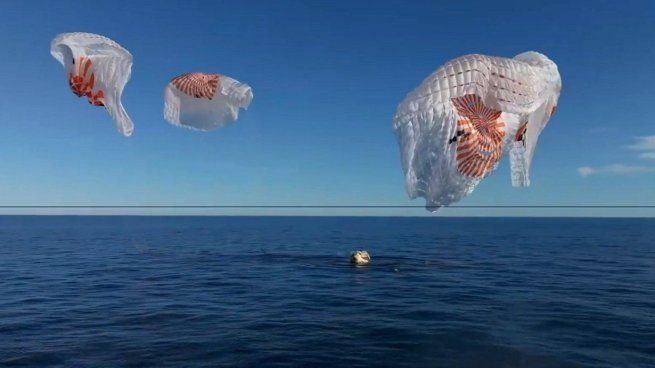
[
  {"x": 203, "y": 101},
  {"x": 97, "y": 68},
  {"x": 454, "y": 128}
]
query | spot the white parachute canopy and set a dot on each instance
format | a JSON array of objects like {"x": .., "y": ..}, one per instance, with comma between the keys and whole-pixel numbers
[
  {"x": 202, "y": 101},
  {"x": 454, "y": 128},
  {"x": 97, "y": 68}
]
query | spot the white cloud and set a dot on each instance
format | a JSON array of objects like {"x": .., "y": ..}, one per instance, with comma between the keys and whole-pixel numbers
[
  {"x": 645, "y": 143},
  {"x": 646, "y": 146},
  {"x": 586, "y": 171},
  {"x": 616, "y": 169}
]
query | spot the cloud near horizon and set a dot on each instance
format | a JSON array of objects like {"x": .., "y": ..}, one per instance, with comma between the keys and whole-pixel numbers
[
  {"x": 645, "y": 145},
  {"x": 616, "y": 169}
]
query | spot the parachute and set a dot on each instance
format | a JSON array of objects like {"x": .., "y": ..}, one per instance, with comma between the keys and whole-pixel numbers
[
  {"x": 202, "y": 101},
  {"x": 98, "y": 68},
  {"x": 454, "y": 128}
]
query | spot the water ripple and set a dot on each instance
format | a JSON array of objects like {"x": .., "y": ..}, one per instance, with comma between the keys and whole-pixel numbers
[{"x": 206, "y": 292}]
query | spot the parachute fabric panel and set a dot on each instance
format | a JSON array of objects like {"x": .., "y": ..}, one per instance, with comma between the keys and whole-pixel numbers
[
  {"x": 455, "y": 126},
  {"x": 204, "y": 102},
  {"x": 97, "y": 68}
]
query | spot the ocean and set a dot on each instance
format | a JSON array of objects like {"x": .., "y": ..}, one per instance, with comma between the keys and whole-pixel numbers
[{"x": 279, "y": 291}]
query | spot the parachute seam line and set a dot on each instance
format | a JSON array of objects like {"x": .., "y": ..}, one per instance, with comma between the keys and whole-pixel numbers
[
  {"x": 508, "y": 90},
  {"x": 467, "y": 71},
  {"x": 491, "y": 62},
  {"x": 501, "y": 76}
]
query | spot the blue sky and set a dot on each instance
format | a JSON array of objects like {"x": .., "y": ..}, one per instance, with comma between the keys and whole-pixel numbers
[{"x": 327, "y": 78}]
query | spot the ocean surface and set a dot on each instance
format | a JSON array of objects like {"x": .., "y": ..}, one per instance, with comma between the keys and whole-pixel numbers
[{"x": 279, "y": 291}]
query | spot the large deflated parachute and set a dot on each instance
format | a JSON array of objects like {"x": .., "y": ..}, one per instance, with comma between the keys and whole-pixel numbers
[
  {"x": 455, "y": 127},
  {"x": 97, "y": 68},
  {"x": 202, "y": 101}
]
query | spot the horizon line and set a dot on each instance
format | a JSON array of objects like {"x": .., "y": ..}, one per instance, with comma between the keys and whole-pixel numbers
[{"x": 318, "y": 206}]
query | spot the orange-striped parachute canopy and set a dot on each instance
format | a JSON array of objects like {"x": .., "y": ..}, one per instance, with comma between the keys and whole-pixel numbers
[
  {"x": 202, "y": 101},
  {"x": 454, "y": 128},
  {"x": 97, "y": 68}
]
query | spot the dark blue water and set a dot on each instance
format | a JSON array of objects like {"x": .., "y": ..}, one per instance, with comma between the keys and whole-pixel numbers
[{"x": 225, "y": 291}]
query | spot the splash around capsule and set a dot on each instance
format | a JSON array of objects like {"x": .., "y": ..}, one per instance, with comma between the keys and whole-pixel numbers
[{"x": 360, "y": 258}]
